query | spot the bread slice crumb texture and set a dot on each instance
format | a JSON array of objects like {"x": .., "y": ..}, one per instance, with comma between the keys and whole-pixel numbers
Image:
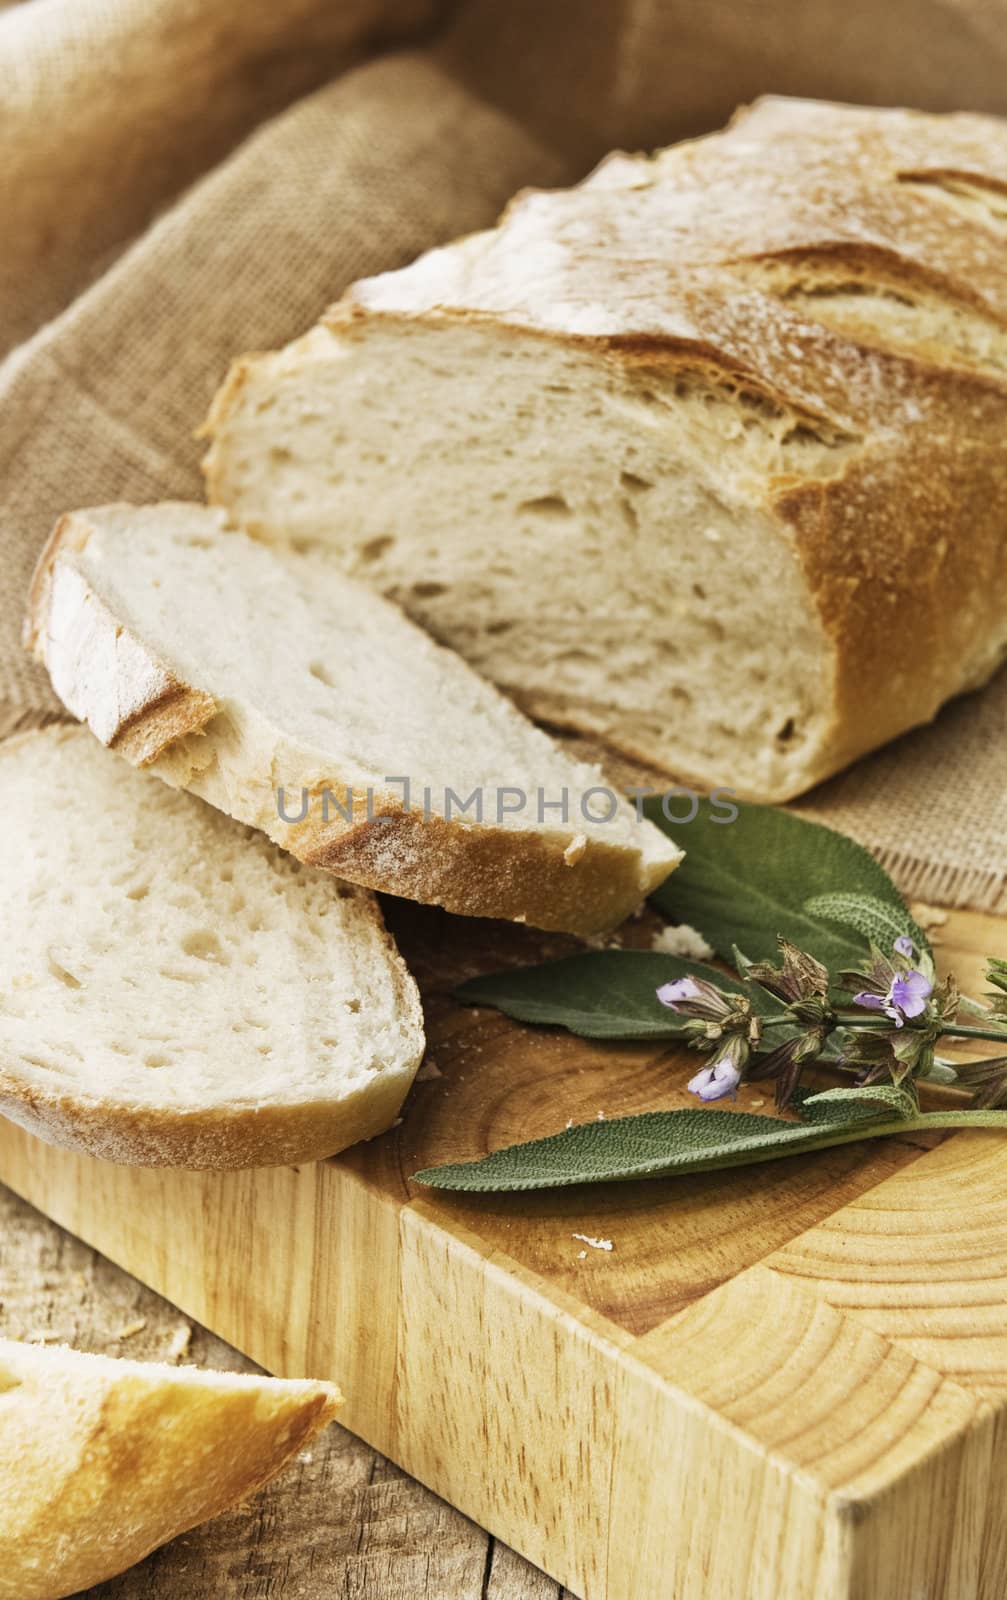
[
  {"x": 237, "y": 671},
  {"x": 178, "y": 990}
]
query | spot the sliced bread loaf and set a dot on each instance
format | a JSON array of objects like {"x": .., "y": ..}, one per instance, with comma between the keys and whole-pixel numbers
[
  {"x": 102, "y": 1460},
  {"x": 178, "y": 991},
  {"x": 705, "y": 455},
  {"x": 307, "y": 705}
]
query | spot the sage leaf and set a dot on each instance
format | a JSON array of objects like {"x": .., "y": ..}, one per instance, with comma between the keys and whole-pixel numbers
[
  {"x": 602, "y": 994},
  {"x": 877, "y": 921},
  {"x": 665, "y": 1144},
  {"x": 743, "y": 882},
  {"x": 898, "y": 1098},
  {"x": 654, "y": 1144}
]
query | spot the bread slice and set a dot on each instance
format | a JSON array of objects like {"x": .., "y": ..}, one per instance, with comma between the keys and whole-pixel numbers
[
  {"x": 177, "y": 991},
  {"x": 102, "y": 1460},
  {"x": 303, "y": 703},
  {"x": 705, "y": 455}
]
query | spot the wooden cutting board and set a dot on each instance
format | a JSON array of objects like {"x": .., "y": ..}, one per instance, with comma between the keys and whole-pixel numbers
[{"x": 781, "y": 1383}]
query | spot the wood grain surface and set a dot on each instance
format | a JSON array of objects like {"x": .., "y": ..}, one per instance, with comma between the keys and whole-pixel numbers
[
  {"x": 785, "y": 1380},
  {"x": 341, "y": 1522}
]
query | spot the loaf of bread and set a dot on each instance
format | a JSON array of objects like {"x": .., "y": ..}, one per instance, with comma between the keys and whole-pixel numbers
[
  {"x": 178, "y": 991},
  {"x": 706, "y": 456},
  {"x": 102, "y": 1460},
  {"x": 310, "y": 707}
]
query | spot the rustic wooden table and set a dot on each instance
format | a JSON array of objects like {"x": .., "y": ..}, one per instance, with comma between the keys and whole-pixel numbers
[{"x": 341, "y": 1522}]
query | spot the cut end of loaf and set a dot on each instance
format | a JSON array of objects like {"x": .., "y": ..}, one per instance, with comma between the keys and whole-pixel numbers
[
  {"x": 673, "y": 455},
  {"x": 623, "y": 583}
]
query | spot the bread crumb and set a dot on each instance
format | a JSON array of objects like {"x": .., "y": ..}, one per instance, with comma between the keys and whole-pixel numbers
[
  {"x": 575, "y": 849},
  {"x": 757, "y": 1104},
  {"x": 601, "y": 1116},
  {"x": 179, "y": 1342},
  {"x": 681, "y": 941},
  {"x": 596, "y": 1244},
  {"x": 429, "y": 1069},
  {"x": 569, "y": 1122},
  {"x": 127, "y": 1332},
  {"x": 581, "y": 1255},
  {"x": 929, "y": 917}
]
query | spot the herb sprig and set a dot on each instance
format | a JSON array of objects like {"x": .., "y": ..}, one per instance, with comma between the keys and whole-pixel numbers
[{"x": 846, "y": 979}]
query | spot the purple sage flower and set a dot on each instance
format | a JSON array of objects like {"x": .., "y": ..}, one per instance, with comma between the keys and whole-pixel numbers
[
  {"x": 907, "y": 993},
  {"x": 870, "y": 1001},
  {"x": 670, "y": 994},
  {"x": 717, "y": 1080},
  {"x": 696, "y": 998}
]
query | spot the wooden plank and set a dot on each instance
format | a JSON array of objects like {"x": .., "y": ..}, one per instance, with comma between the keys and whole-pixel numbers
[{"x": 726, "y": 1402}]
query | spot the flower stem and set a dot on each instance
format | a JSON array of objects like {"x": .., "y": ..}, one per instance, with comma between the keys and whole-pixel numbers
[
  {"x": 950, "y": 1030},
  {"x": 964, "y": 1030}
]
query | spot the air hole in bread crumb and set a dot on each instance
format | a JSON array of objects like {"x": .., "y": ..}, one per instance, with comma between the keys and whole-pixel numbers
[
  {"x": 8, "y": 1382},
  {"x": 140, "y": 891},
  {"x": 550, "y": 506},
  {"x": 631, "y": 480},
  {"x": 204, "y": 945},
  {"x": 353, "y": 1005},
  {"x": 319, "y": 670},
  {"x": 786, "y": 733},
  {"x": 429, "y": 591},
  {"x": 156, "y": 1059},
  {"x": 699, "y": 591},
  {"x": 44, "y": 1066},
  {"x": 375, "y": 548},
  {"x": 62, "y": 974}
]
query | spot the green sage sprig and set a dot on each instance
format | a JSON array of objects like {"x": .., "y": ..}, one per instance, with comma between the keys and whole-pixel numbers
[
  {"x": 841, "y": 975},
  {"x": 886, "y": 1032}
]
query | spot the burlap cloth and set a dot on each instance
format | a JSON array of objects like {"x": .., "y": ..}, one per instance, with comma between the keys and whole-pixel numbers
[{"x": 167, "y": 200}]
